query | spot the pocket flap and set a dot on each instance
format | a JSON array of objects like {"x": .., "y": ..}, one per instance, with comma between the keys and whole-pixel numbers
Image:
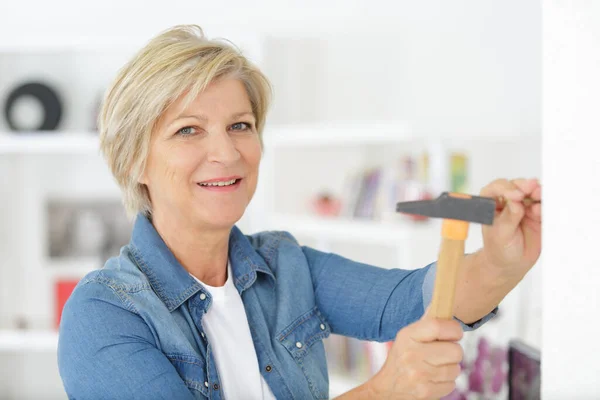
[
  {"x": 303, "y": 332},
  {"x": 191, "y": 370}
]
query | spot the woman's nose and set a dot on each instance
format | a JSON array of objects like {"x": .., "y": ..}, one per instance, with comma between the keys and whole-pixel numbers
[{"x": 222, "y": 148}]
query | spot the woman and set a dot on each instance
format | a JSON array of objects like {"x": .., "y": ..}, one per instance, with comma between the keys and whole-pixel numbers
[{"x": 193, "y": 308}]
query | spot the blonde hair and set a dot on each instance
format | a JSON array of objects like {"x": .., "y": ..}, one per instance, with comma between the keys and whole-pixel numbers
[{"x": 178, "y": 60}]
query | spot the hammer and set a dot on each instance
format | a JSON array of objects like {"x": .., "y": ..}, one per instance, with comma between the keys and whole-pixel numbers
[{"x": 457, "y": 211}]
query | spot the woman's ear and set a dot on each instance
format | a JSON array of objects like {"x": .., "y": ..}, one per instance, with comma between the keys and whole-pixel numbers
[{"x": 143, "y": 179}]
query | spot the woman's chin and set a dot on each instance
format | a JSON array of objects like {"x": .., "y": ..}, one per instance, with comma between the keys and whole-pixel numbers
[{"x": 222, "y": 219}]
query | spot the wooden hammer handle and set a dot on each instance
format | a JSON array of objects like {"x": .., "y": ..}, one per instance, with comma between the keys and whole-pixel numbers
[
  {"x": 451, "y": 255},
  {"x": 452, "y": 251}
]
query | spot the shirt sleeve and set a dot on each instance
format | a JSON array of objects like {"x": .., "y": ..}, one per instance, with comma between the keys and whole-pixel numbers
[
  {"x": 368, "y": 302},
  {"x": 428, "y": 285},
  {"x": 106, "y": 351},
  {"x": 364, "y": 301}
]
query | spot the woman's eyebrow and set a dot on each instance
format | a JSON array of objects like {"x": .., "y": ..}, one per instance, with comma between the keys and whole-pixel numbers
[
  {"x": 203, "y": 118},
  {"x": 199, "y": 117},
  {"x": 242, "y": 114}
]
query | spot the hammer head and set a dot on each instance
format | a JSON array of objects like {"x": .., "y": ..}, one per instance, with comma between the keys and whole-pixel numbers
[{"x": 456, "y": 206}]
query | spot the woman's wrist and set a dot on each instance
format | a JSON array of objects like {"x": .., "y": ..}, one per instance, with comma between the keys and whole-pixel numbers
[{"x": 495, "y": 274}]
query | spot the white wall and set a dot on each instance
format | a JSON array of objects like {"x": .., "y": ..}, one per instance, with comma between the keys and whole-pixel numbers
[{"x": 572, "y": 189}]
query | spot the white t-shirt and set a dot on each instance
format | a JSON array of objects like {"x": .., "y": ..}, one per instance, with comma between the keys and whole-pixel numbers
[{"x": 227, "y": 330}]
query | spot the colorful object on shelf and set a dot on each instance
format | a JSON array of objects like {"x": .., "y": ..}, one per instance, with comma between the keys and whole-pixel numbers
[
  {"x": 367, "y": 196},
  {"x": 326, "y": 204},
  {"x": 524, "y": 371},
  {"x": 372, "y": 192},
  {"x": 484, "y": 373},
  {"x": 411, "y": 188},
  {"x": 458, "y": 173},
  {"x": 62, "y": 290}
]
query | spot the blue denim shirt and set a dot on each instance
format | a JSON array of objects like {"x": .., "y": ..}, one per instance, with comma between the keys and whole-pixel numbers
[{"x": 133, "y": 330}]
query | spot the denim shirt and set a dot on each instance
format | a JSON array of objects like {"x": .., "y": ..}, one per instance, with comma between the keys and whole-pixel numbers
[{"x": 133, "y": 330}]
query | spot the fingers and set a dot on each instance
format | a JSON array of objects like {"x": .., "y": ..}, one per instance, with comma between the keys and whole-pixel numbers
[
  {"x": 424, "y": 361},
  {"x": 514, "y": 191},
  {"x": 429, "y": 329},
  {"x": 445, "y": 373},
  {"x": 434, "y": 382},
  {"x": 526, "y": 186},
  {"x": 535, "y": 211},
  {"x": 438, "y": 354},
  {"x": 505, "y": 188},
  {"x": 536, "y": 194}
]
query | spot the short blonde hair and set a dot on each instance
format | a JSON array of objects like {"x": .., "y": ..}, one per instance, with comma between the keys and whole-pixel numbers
[{"x": 178, "y": 60}]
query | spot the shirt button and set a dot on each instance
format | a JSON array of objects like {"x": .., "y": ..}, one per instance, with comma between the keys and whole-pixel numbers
[
  {"x": 206, "y": 384},
  {"x": 202, "y": 296},
  {"x": 299, "y": 345},
  {"x": 322, "y": 327},
  {"x": 216, "y": 386},
  {"x": 268, "y": 368},
  {"x": 202, "y": 334}
]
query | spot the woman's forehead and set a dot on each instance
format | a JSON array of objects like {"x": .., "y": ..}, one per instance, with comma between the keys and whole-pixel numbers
[{"x": 224, "y": 96}]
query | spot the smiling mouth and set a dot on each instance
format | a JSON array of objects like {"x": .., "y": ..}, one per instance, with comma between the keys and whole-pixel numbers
[{"x": 231, "y": 182}]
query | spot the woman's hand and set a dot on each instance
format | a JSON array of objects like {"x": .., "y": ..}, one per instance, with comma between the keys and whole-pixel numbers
[
  {"x": 423, "y": 362},
  {"x": 513, "y": 242}
]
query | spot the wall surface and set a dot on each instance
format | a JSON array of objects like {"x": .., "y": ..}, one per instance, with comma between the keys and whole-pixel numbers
[{"x": 571, "y": 214}]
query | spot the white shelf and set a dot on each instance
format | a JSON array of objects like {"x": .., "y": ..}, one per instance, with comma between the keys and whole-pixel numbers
[
  {"x": 367, "y": 133},
  {"x": 18, "y": 341},
  {"x": 316, "y": 135},
  {"x": 328, "y": 134},
  {"x": 49, "y": 143},
  {"x": 349, "y": 230}
]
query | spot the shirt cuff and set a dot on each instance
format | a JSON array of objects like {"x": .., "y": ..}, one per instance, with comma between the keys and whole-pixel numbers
[{"x": 428, "y": 284}]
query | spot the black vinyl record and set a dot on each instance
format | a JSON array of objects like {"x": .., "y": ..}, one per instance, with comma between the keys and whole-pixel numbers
[{"x": 47, "y": 97}]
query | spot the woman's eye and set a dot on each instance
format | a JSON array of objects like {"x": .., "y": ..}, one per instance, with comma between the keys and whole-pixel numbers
[
  {"x": 241, "y": 126},
  {"x": 186, "y": 131}
]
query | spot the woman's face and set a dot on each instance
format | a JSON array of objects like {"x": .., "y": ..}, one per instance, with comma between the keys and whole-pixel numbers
[{"x": 202, "y": 166}]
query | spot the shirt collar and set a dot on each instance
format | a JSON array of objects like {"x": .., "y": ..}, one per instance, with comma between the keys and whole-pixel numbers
[{"x": 171, "y": 282}]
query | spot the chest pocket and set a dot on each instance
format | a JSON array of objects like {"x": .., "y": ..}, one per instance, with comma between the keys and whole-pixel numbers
[
  {"x": 303, "y": 339},
  {"x": 192, "y": 371}
]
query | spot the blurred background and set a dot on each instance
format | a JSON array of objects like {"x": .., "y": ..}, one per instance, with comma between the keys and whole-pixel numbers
[{"x": 373, "y": 103}]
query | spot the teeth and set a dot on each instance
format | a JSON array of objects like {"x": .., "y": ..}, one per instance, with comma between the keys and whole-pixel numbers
[{"x": 226, "y": 183}]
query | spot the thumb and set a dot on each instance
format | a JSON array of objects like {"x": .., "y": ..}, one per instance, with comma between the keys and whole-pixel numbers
[
  {"x": 509, "y": 219},
  {"x": 431, "y": 329}
]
